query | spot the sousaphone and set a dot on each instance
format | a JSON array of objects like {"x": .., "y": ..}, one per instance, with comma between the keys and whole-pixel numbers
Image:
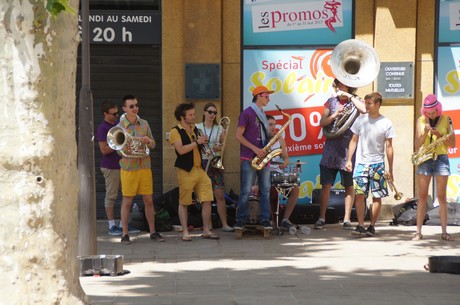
[{"x": 355, "y": 64}]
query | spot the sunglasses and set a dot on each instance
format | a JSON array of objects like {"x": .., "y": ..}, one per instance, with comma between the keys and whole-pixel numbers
[
  {"x": 211, "y": 112},
  {"x": 133, "y": 105},
  {"x": 114, "y": 114}
]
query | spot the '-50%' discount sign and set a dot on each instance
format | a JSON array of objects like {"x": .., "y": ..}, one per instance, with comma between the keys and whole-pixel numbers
[{"x": 303, "y": 135}]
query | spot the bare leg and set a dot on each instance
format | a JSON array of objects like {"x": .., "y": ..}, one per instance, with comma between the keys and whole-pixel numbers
[
  {"x": 292, "y": 201},
  {"x": 349, "y": 198},
  {"x": 359, "y": 205},
  {"x": 183, "y": 217},
  {"x": 423, "y": 184},
  {"x": 221, "y": 206},
  {"x": 441, "y": 185},
  {"x": 324, "y": 199},
  {"x": 126, "y": 203},
  {"x": 376, "y": 207},
  {"x": 109, "y": 213},
  {"x": 206, "y": 216},
  {"x": 149, "y": 212}
]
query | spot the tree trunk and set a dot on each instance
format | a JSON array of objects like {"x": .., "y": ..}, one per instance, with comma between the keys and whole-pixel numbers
[{"x": 38, "y": 171}]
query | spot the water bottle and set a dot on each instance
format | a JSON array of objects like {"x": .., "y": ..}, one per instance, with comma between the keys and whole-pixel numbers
[
  {"x": 305, "y": 230},
  {"x": 292, "y": 230}
]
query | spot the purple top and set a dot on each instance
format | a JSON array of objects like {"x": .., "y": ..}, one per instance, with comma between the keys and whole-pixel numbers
[
  {"x": 335, "y": 151},
  {"x": 112, "y": 160},
  {"x": 248, "y": 120}
]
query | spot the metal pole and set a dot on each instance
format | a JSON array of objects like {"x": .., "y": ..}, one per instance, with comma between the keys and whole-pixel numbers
[{"x": 87, "y": 196}]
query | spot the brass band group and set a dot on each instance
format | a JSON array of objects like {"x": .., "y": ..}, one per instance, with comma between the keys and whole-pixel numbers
[{"x": 357, "y": 153}]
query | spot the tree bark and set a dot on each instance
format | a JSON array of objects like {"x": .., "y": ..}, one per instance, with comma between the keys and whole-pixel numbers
[{"x": 38, "y": 171}]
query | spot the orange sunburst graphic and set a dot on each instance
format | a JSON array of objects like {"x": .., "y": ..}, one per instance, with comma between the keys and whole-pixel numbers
[{"x": 320, "y": 62}]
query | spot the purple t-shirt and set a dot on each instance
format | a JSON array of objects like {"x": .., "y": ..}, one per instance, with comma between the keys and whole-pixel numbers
[
  {"x": 248, "y": 120},
  {"x": 112, "y": 160}
]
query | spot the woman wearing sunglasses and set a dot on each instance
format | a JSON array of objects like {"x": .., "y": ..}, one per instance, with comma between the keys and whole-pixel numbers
[{"x": 216, "y": 136}]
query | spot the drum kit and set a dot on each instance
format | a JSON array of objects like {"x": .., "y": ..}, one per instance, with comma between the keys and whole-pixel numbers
[{"x": 284, "y": 182}]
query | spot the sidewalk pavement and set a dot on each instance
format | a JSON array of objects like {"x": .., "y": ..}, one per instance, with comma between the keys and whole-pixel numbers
[{"x": 325, "y": 267}]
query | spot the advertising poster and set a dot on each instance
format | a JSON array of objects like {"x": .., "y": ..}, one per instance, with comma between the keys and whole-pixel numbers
[
  {"x": 449, "y": 21},
  {"x": 448, "y": 92},
  {"x": 296, "y": 22},
  {"x": 302, "y": 81}
]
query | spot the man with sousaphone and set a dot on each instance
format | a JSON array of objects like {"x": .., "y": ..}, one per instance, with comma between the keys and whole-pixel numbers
[{"x": 355, "y": 64}]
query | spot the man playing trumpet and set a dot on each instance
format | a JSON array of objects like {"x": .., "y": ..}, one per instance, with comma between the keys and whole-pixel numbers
[{"x": 372, "y": 135}]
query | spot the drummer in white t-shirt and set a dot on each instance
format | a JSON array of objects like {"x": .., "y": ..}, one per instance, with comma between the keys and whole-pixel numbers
[{"x": 277, "y": 166}]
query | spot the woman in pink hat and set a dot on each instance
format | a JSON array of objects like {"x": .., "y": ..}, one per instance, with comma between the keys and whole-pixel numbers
[{"x": 433, "y": 125}]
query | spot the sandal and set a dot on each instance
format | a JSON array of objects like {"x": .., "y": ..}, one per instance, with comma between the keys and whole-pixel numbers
[
  {"x": 186, "y": 238},
  {"x": 417, "y": 236},
  {"x": 447, "y": 237}
]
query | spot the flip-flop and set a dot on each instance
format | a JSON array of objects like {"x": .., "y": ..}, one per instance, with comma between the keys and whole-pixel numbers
[
  {"x": 186, "y": 238},
  {"x": 210, "y": 236}
]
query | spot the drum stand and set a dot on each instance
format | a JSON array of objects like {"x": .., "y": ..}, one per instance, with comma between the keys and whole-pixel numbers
[{"x": 284, "y": 192}]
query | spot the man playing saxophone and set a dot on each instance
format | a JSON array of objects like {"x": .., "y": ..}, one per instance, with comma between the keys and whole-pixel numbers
[
  {"x": 252, "y": 133},
  {"x": 434, "y": 134}
]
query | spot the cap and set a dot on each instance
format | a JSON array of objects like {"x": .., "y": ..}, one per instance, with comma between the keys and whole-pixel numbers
[
  {"x": 430, "y": 101},
  {"x": 261, "y": 89}
]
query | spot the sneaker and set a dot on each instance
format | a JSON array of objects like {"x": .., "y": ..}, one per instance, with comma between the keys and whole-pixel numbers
[
  {"x": 157, "y": 237},
  {"x": 125, "y": 240},
  {"x": 370, "y": 232},
  {"x": 358, "y": 231},
  {"x": 132, "y": 230},
  {"x": 347, "y": 225},
  {"x": 227, "y": 229},
  {"x": 266, "y": 224},
  {"x": 319, "y": 225},
  {"x": 115, "y": 231},
  {"x": 285, "y": 223},
  {"x": 239, "y": 225}
]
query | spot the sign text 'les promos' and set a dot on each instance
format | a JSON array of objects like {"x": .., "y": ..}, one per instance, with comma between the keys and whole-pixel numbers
[
  {"x": 297, "y": 16},
  {"x": 134, "y": 27},
  {"x": 304, "y": 135}
]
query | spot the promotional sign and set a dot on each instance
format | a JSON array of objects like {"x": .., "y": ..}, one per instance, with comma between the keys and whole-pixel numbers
[
  {"x": 302, "y": 81},
  {"x": 449, "y": 21},
  {"x": 448, "y": 93},
  {"x": 296, "y": 22}
]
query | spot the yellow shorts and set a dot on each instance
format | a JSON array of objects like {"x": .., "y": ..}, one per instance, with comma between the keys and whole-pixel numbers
[
  {"x": 136, "y": 182},
  {"x": 194, "y": 181}
]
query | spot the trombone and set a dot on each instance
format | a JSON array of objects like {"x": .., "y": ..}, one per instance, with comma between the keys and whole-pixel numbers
[{"x": 217, "y": 161}]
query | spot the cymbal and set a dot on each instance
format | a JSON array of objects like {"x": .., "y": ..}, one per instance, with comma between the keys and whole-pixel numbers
[{"x": 299, "y": 163}]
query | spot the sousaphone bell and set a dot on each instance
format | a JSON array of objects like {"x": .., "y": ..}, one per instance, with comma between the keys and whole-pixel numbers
[{"x": 355, "y": 64}]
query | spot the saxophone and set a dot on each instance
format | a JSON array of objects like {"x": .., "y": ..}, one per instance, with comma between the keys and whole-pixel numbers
[
  {"x": 259, "y": 163},
  {"x": 428, "y": 152}
]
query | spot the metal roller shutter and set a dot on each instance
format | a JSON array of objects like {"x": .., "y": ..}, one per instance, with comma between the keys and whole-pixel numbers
[{"x": 118, "y": 70}]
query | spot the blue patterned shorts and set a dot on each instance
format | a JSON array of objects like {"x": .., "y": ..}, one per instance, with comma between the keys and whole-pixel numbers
[{"x": 370, "y": 176}]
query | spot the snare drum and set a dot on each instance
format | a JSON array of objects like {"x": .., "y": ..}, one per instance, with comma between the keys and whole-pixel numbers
[{"x": 284, "y": 179}]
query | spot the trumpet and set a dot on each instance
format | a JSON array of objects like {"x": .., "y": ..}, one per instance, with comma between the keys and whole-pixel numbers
[
  {"x": 205, "y": 149},
  {"x": 398, "y": 195}
]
